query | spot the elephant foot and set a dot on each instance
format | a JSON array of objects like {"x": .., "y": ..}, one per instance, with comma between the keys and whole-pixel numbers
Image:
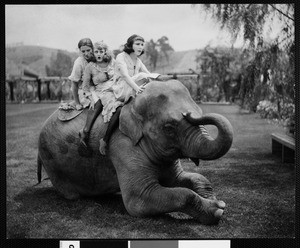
[
  {"x": 83, "y": 137},
  {"x": 102, "y": 147},
  {"x": 209, "y": 212}
]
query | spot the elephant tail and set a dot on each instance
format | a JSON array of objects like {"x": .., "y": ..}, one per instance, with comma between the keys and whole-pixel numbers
[{"x": 39, "y": 170}]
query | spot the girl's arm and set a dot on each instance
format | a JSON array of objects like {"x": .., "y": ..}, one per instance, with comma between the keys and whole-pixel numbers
[
  {"x": 121, "y": 65},
  {"x": 87, "y": 87},
  {"x": 75, "y": 92},
  {"x": 75, "y": 78},
  {"x": 144, "y": 68}
]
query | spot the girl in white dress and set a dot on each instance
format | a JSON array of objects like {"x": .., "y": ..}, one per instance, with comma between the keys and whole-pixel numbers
[
  {"x": 129, "y": 77},
  {"x": 85, "y": 47},
  {"x": 129, "y": 69}
]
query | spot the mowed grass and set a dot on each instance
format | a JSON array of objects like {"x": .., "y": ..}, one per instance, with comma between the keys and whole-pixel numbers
[{"x": 258, "y": 189}]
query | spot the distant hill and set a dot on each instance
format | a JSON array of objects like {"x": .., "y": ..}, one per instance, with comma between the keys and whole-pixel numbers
[{"x": 36, "y": 58}]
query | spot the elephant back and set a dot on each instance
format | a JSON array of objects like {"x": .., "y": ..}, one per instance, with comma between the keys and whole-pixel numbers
[
  {"x": 66, "y": 133},
  {"x": 68, "y": 162}
]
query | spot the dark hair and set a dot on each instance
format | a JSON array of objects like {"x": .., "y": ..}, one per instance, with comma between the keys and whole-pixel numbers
[
  {"x": 85, "y": 42},
  {"x": 128, "y": 46}
]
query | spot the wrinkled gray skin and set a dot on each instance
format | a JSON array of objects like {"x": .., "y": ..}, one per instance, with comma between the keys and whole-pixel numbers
[{"x": 156, "y": 128}]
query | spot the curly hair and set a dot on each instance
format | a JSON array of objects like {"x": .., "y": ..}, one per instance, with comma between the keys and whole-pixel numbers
[
  {"x": 108, "y": 56},
  {"x": 128, "y": 46}
]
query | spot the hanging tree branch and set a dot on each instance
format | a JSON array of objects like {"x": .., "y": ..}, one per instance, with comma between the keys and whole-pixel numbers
[{"x": 282, "y": 13}]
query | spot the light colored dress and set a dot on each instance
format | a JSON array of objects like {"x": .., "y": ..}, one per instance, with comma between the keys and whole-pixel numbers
[
  {"x": 136, "y": 71},
  {"x": 97, "y": 84},
  {"x": 77, "y": 76}
]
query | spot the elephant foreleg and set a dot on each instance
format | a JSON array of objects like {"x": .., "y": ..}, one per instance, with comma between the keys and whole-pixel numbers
[
  {"x": 196, "y": 182},
  {"x": 147, "y": 190},
  {"x": 164, "y": 200}
]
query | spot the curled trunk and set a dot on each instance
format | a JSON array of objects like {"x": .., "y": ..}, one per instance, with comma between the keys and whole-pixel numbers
[{"x": 199, "y": 144}]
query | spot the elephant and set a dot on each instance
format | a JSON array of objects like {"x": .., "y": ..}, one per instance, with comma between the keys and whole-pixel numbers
[{"x": 156, "y": 129}]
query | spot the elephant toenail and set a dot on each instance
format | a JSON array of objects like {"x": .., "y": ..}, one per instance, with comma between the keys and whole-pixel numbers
[
  {"x": 221, "y": 204},
  {"x": 218, "y": 213}
]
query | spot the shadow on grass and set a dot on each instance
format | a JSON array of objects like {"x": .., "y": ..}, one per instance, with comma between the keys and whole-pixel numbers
[
  {"x": 41, "y": 210},
  {"x": 48, "y": 199}
]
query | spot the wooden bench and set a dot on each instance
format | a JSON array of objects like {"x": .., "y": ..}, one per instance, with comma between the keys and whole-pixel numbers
[{"x": 283, "y": 145}]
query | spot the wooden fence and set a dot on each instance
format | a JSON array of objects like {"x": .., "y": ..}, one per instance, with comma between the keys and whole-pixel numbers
[
  {"x": 38, "y": 90},
  {"x": 55, "y": 88}
]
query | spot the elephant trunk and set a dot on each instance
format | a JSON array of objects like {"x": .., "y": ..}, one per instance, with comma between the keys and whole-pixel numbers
[{"x": 199, "y": 144}]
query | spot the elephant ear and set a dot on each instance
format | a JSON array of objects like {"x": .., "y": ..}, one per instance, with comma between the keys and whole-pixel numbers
[{"x": 131, "y": 122}]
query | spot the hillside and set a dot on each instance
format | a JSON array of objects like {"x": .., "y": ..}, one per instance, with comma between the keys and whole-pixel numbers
[
  {"x": 37, "y": 57},
  {"x": 34, "y": 57}
]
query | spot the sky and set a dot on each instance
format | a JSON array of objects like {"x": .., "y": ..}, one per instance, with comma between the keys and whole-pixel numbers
[{"x": 62, "y": 26}]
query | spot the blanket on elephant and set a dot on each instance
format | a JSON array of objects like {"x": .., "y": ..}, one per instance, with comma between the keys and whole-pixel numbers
[{"x": 67, "y": 111}]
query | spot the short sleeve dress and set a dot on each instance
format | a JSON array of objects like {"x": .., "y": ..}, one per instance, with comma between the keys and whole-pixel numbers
[
  {"x": 136, "y": 71},
  {"x": 77, "y": 76},
  {"x": 100, "y": 81}
]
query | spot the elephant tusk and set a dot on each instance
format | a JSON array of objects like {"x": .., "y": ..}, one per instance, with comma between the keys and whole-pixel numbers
[{"x": 190, "y": 119}]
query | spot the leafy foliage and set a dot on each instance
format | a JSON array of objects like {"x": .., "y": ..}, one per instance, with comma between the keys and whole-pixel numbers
[
  {"x": 267, "y": 66},
  {"x": 152, "y": 53},
  {"x": 217, "y": 66},
  {"x": 163, "y": 44},
  {"x": 154, "y": 50},
  {"x": 60, "y": 66}
]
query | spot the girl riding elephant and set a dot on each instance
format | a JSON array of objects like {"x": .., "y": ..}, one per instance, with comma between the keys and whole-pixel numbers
[
  {"x": 129, "y": 79},
  {"x": 85, "y": 47},
  {"x": 97, "y": 88}
]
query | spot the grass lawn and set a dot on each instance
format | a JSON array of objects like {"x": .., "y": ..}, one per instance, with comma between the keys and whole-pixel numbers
[{"x": 258, "y": 189}]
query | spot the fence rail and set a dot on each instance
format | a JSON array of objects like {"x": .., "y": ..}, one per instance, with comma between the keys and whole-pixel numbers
[
  {"x": 56, "y": 88},
  {"x": 38, "y": 90}
]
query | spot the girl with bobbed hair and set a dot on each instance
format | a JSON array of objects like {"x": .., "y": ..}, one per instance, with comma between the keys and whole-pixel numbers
[
  {"x": 129, "y": 79},
  {"x": 128, "y": 46},
  {"x": 130, "y": 72},
  {"x": 85, "y": 47}
]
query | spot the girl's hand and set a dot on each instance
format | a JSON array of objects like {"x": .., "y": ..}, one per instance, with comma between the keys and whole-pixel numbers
[
  {"x": 78, "y": 106},
  {"x": 92, "y": 104},
  {"x": 139, "y": 89}
]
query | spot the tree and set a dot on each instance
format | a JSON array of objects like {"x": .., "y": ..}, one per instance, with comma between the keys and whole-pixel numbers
[
  {"x": 152, "y": 52},
  {"x": 164, "y": 46},
  {"x": 60, "y": 66},
  {"x": 273, "y": 60},
  {"x": 252, "y": 20},
  {"x": 215, "y": 66}
]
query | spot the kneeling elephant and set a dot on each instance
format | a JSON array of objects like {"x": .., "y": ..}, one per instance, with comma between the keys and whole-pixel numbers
[{"x": 156, "y": 128}]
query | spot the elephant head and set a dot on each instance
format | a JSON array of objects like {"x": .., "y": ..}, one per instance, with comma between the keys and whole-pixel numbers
[{"x": 168, "y": 124}]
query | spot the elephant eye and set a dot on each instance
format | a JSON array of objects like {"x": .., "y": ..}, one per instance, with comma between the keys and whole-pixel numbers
[{"x": 169, "y": 129}]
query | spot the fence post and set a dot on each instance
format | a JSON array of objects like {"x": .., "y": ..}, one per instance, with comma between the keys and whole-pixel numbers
[
  {"x": 11, "y": 88},
  {"x": 39, "y": 83},
  {"x": 48, "y": 90}
]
